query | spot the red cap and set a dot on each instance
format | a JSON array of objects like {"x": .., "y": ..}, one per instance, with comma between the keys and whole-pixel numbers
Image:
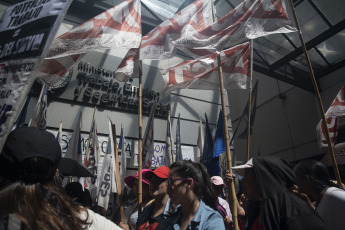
[{"x": 161, "y": 172}]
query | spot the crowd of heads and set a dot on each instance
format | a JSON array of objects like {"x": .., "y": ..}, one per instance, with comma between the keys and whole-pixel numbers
[{"x": 30, "y": 188}]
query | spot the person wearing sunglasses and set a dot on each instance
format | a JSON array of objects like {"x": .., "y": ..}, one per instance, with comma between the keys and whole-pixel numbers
[
  {"x": 152, "y": 214},
  {"x": 191, "y": 203}
]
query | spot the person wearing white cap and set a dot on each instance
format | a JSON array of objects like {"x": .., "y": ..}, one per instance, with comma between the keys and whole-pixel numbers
[{"x": 266, "y": 183}]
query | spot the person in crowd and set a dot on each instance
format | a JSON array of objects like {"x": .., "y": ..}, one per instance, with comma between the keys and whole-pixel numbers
[
  {"x": 75, "y": 191},
  {"x": 132, "y": 182},
  {"x": 271, "y": 206},
  {"x": 312, "y": 179},
  {"x": 152, "y": 214},
  {"x": 30, "y": 197},
  {"x": 192, "y": 202},
  {"x": 218, "y": 186}
]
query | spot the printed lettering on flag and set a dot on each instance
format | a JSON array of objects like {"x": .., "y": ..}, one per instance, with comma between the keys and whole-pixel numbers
[
  {"x": 203, "y": 74},
  {"x": 251, "y": 19},
  {"x": 119, "y": 26},
  {"x": 158, "y": 43}
]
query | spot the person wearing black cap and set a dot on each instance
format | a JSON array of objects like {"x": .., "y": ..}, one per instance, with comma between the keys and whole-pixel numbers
[
  {"x": 271, "y": 206},
  {"x": 29, "y": 195}
]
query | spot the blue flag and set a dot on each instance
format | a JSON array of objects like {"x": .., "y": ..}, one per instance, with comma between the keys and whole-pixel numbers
[
  {"x": 211, "y": 163},
  {"x": 219, "y": 143},
  {"x": 178, "y": 141}
]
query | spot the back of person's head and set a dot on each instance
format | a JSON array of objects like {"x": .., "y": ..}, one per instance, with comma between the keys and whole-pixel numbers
[
  {"x": 315, "y": 172},
  {"x": 75, "y": 191},
  {"x": 30, "y": 155},
  {"x": 29, "y": 161},
  {"x": 196, "y": 171}
]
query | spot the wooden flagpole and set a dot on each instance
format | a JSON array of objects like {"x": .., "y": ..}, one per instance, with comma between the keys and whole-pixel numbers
[
  {"x": 140, "y": 157},
  {"x": 118, "y": 177},
  {"x": 232, "y": 198},
  {"x": 250, "y": 102},
  {"x": 311, "y": 74},
  {"x": 249, "y": 117}
]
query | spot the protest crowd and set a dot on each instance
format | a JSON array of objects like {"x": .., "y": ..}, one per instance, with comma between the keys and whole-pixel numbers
[{"x": 182, "y": 196}]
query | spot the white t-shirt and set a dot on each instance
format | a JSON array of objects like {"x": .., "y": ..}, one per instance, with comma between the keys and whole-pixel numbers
[
  {"x": 99, "y": 222},
  {"x": 332, "y": 208},
  {"x": 225, "y": 205}
]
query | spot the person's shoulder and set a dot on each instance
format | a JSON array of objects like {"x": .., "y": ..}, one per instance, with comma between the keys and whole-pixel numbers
[
  {"x": 207, "y": 211},
  {"x": 336, "y": 193},
  {"x": 99, "y": 222}
]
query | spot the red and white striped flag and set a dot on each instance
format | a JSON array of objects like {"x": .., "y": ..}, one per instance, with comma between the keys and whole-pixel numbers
[
  {"x": 119, "y": 26},
  {"x": 130, "y": 66},
  {"x": 336, "y": 109},
  {"x": 158, "y": 43},
  {"x": 203, "y": 74},
  {"x": 251, "y": 19},
  {"x": 52, "y": 70}
]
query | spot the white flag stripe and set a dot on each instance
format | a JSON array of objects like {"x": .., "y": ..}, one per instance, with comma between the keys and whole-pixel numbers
[
  {"x": 130, "y": 66},
  {"x": 337, "y": 108},
  {"x": 158, "y": 43},
  {"x": 107, "y": 30},
  {"x": 203, "y": 74},
  {"x": 249, "y": 20}
]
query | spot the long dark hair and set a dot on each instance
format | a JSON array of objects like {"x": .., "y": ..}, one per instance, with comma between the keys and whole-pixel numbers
[
  {"x": 203, "y": 188},
  {"x": 316, "y": 173},
  {"x": 41, "y": 205}
]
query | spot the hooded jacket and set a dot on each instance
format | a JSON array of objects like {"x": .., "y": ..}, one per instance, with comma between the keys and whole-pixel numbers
[{"x": 280, "y": 208}]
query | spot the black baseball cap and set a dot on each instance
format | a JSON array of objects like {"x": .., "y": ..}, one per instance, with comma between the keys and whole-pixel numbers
[{"x": 30, "y": 154}]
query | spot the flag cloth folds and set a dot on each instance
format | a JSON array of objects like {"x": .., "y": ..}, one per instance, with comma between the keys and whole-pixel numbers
[
  {"x": 121, "y": 151},
  {"x": 117, "y": 27},
  {"x": 169, "y": 150},
  {"x": 52, "y": 70},
  {"x": 336, "y": 109},
  {"x": 91, "y": 159},
  {"x": 74, "y": 146},
  {"x": 106, "y": 179},
  {"x": 203, "y": 74},
  {"x": 244, "y": 135},
  {"x": 249, "y": 20},
  {"x": 39, "y": 118},
  {"x": 148, "y": 144},
  {"x": 219, "y": 143},
  {"x": 130, "y": 66},
  {"x": 178, "y": 140},
  {"x": 158, "y": 43}
]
